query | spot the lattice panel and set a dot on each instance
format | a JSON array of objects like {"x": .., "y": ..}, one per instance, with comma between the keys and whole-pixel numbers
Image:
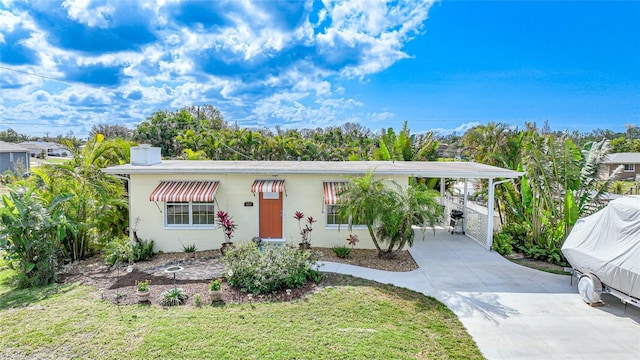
[{"x": 475, "y": 222}]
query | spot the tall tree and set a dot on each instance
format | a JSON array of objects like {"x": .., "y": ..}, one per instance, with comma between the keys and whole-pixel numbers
[
  {"x": 11, "y": 135},
  {"x": 97, "y": 211},
  {"x": 486, "y": 144},
  {"x": 111, "y": 131},
  {"x": 161, "y": 129}
]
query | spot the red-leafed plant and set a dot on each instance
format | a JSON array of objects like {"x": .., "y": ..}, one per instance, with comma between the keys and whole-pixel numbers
[
  {"x": 227, "y": 224},
  {"x": 305, "y": 231}
]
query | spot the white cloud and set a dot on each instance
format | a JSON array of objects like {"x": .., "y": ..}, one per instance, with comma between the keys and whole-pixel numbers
[
  {"x": 82, "y": 12},
  {"x": 381, "y": 116},
  {"x": 349, "y": 40},
  {"x": 461, "y": 129},
  {"x": 8, "y": 23}
]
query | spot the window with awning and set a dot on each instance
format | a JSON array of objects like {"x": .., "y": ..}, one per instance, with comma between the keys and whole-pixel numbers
[
  {"x": 332, "y": 190},
  {"x": 267, "y": 186},
  {"x": 187, "y": 203},
  {"x": 185, "y": 191}
]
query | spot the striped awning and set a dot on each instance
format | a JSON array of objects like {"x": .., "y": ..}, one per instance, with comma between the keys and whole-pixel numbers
[
  {"x": 267, "y": 186},
  {"x": 183, "y": 191},
  {"x": 332, "y": 190}
]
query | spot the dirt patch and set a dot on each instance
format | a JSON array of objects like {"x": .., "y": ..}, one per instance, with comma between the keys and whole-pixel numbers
[
  {"x": 117, "y": 283},
  {"x": 369, "y": 258},
  {"x": 536, "y": 264}
]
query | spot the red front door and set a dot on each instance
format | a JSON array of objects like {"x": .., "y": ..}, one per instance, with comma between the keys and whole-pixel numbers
[{"x": 270, "y": 215}]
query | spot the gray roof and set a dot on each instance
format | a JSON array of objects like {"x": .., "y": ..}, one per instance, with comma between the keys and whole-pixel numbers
[
  {"x": 6, "y": 147},
  {"x": 41, "y": 145},
  {"x": 623, "y": 158},
  {"x": 434, "y": 169}
]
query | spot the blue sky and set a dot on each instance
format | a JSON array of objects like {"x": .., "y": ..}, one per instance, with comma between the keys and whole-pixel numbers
[{"x": 446, "y": 66}]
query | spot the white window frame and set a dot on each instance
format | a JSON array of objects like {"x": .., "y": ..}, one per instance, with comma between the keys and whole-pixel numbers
[
  {"x": 338, "y": 226},
  {"x": 629, "y": 167},
  {"x": 190, "y": 225}
]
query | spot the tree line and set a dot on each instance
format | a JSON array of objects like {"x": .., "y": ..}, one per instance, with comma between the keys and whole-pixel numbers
[{"x": 69, "y": 211}]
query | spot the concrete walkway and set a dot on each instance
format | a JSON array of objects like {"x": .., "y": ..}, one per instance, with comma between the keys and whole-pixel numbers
[{"x": 512, "y": 312}]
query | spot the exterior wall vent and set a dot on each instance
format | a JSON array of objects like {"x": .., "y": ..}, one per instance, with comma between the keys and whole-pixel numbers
[{"x": 145, "y": 155}]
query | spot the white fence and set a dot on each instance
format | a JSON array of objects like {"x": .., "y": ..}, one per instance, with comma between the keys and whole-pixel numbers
[{"x": 474, "y": 222}]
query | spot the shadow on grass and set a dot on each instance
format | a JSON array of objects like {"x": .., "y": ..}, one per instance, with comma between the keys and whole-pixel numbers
[
  {"x": 488, "y": 305},
  {"x": 25, "y": 297}
]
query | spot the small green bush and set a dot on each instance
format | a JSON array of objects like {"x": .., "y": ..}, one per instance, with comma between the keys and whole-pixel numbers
[
  {"x": 273, "y": 268},
  {"x": 342, "y": 252},
  {"x": 142, "y": 250},
  {"x": 29, "y": 236},
  {"x": 117, "y": 250},
  {"x": 520, "y": 234},
  {"x": 502, "y": 243},
  {"x": 173, "y": 297}
]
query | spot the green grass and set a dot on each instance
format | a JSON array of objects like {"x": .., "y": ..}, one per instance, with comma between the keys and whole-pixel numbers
[
  {"x": 56, "y": 160},
  {"x": 351, "y": 319}
]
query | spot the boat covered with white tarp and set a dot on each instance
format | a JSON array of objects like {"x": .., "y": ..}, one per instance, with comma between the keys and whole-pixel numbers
[{"x": 605, "y": 249}]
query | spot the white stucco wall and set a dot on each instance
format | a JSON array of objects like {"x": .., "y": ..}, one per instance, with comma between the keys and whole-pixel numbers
[{"x": 303, "y": 193}]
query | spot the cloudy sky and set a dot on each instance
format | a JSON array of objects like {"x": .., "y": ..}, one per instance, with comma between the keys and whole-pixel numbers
[{"x": 65, "y": 66}]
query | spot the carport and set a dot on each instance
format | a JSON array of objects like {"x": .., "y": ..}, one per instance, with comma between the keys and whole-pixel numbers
[{"x": 476, "y": 224}]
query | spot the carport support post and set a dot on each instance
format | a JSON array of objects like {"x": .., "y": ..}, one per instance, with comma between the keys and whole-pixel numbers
[
  {"x": 492, "y": 190},
  {"x": 490, "y": 214}
]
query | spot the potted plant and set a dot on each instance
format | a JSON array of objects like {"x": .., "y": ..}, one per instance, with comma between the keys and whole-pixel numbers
[
  {"x": 189, "y": 251},
  {"x": 228, "y": 227},
  {"x": 305, "y": 232},
  {"x": 215, "y": 290},
  {"x": 142, "y": 290}
]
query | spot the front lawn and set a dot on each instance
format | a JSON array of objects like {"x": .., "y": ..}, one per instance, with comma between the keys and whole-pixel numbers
[{"x": 347, "y": 318}]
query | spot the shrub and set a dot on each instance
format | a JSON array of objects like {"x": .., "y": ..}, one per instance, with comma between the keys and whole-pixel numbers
[
  {"x": 142, "y": 250},
  {"x": 117, "y": 250},
  {"x": 342, "y": 252},
  {"x": 502, "y": 243},
  {"x": 519, "y": 234},
  {"x": 273, "y": 268},
  {"x": 173, "y": 297},
  {"x": 29, "y": 236}
]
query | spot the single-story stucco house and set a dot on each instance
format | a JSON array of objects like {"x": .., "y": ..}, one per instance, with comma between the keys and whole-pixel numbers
[
  {"x": 37, "y": 148},
  {"x": 176, "y": 200},
  {"x": 629, "y": 161},
  {"x": 14, "y": 157}
]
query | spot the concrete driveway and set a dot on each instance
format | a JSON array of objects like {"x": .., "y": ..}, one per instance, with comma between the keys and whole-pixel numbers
[{"x": 513, "y": 312}]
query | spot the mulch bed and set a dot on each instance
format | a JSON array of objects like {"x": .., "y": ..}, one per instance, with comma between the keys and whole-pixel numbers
[{"x": 117, "y": 285}]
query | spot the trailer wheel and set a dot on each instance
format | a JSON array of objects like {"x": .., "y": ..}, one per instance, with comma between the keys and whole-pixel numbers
[{"x": 590, "y": 288}]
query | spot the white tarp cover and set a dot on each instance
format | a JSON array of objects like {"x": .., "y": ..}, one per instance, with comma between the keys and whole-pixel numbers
[{"x": 607, "y": 244}]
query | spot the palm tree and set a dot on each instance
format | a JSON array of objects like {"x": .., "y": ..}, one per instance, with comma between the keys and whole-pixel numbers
[
  {"x": 97, "y": 211},
  {"x": 389, "y": 212},
  {"x": 486, "y": 144}
]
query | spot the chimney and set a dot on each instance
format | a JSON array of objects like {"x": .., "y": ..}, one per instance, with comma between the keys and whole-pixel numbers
[{"x": 145, "y": 155}]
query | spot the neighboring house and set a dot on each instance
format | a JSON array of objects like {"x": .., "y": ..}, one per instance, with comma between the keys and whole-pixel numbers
[
  {"x": 442, "y": 149},
  {"x": 37, "y": 148},
  {"x": 629, "y": 161},
  {"x": 176, "y": 200},
  {"x": 13, "y": 157}
]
